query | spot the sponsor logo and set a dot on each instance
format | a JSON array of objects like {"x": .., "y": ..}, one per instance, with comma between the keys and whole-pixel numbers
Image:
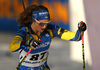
[
  {"x": 43, "y": 13},
  {"x": 44, "y": 44},
  {"x": 47, "y": 35},
  {"x": 32, "y": 62},
  {"x": 46, "y": 17},
  {"x": 30, "y": 69}
]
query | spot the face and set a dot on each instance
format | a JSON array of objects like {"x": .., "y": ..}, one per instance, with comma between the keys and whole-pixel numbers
[{"x": 39, "y": 25}]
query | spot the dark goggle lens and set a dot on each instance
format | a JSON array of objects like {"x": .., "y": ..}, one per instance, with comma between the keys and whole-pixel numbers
[{"x": 42, "y": 24}]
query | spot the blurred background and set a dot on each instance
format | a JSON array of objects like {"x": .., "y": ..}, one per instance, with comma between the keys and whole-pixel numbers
[{"x": 64, "y": 55}]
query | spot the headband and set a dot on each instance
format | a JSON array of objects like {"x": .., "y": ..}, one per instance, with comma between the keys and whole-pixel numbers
[{"x": 40, "y": 15}]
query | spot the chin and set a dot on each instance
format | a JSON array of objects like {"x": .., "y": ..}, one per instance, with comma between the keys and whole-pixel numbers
[{"x": 41, "y": 31}]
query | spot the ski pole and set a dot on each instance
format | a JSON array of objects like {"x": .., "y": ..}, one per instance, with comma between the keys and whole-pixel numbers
[
  {"x": 82, "y": 36},
  {"x": 24, "y": 58},
  {"x": 83, "y": 50},
  {"x": 23, "y": 4},
  {"x": 20, "y": 27}
]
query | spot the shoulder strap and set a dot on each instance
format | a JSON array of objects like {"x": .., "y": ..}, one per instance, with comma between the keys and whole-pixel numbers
[
  {"x": 49, "y": 32},
  {"x": 27, "y": 37},
  {"x": 60, "y": 32}
]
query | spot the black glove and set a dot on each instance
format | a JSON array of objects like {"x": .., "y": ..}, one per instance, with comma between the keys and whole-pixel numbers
[
  {"x": 81, "y": 26},
  {"x": 33, "y": 43}
]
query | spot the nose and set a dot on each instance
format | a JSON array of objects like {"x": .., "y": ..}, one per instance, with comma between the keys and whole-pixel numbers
[{"x": 44, "y": 26}]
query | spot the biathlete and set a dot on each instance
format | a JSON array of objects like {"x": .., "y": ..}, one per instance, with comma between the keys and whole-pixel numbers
[{"x": 34, "y": 22}]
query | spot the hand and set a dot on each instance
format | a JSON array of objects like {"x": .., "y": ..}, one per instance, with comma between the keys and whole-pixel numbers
[
  {"x": 33, "y": 43},
  {"x": 82, "y": 26}
]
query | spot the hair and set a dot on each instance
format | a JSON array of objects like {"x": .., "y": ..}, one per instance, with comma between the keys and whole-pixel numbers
[{"x": 25, "y": 18}]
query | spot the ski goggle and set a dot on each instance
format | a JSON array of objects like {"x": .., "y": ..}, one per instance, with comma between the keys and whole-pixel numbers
[{"x": 42, "y": 23}]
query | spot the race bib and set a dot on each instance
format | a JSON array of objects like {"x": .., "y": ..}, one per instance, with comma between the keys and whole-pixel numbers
[{"x": 34, "y": 60}]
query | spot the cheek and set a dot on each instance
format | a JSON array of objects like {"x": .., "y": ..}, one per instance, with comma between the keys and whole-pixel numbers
[{"x": 38, "y": 27}]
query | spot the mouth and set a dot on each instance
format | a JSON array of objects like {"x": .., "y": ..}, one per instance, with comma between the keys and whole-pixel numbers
[{"x": 43, "y": 29}]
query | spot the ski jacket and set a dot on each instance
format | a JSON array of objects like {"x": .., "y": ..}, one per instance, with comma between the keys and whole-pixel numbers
[{"x": 37, "y": 59}]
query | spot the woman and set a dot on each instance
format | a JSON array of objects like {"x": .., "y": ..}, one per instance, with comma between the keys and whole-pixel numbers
[{"x": 36, "y": 32}]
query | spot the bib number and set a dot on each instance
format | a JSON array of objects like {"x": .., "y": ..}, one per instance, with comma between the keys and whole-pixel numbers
[{"x": 36, "y": 56}]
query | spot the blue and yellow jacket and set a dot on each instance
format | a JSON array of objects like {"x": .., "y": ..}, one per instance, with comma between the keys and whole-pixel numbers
[{"x": 38, "y": 56}]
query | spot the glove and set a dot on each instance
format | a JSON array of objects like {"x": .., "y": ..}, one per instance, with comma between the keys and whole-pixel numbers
[
  {"x": 33, "y": 43},
  {"x": 82, "y": 26}
]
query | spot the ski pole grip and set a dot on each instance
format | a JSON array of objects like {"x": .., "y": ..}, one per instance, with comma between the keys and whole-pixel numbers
[
  {"x": 82, "y": 33},
  {"x": 32, "y": 47}
]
